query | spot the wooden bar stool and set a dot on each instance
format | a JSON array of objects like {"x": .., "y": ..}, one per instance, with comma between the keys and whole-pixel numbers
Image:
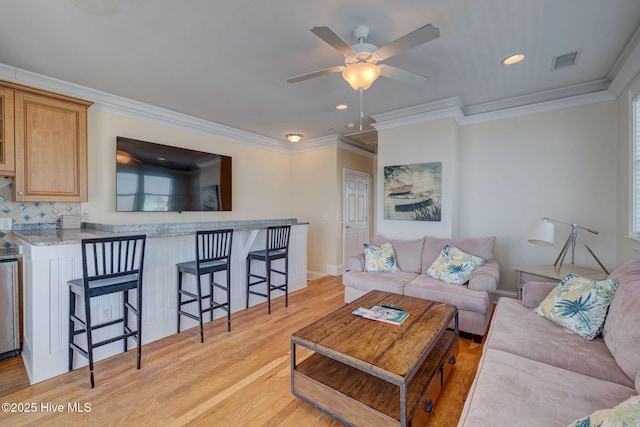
[
  {"x": 213, "y": 254},
  {"x": 277, "y": 247},
  {"x": 109, "y": 265}
]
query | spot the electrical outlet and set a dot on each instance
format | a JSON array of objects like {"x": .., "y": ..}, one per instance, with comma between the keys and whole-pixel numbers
[{"x": 5, "y": 223}]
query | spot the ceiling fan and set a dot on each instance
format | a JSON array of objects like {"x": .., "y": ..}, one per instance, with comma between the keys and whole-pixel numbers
[{"x": 362, "y": 59}]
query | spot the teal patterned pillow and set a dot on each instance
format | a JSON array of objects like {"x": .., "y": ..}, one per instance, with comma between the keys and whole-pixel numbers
[
  {"x": 626, "y": 414},
  {"x": 380, "y": 259},
  {"x": 454, "y": 266},
  {"x": 579, "y": 304}
]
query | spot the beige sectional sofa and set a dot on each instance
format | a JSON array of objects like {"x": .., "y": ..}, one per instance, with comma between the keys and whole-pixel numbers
[
  {"x": 534, "y": 373},
  {"x": 414, "y": 257}
]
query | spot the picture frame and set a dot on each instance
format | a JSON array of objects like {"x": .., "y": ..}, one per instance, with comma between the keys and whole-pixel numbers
[{"x": 413, "y": 192}]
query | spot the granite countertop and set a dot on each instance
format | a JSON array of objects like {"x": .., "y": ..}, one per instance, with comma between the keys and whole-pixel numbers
[
  {"x": 8, "y": 254},
  {"x": 51, "y": 235}
]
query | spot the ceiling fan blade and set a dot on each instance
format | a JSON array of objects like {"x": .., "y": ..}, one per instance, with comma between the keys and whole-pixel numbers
[
  {"x": 318, "y": 73},
  {"x": 403, "y": 75},
  {"x": 334, "y": 40},
  {"x": 412, "y": 39}
]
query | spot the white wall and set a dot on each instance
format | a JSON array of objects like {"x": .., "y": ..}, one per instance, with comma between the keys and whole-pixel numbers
[
  {"x": 433, "y": 141},
  {"x": 314, "y": 195},
  {"x": 561, "y": 164},
  {"x": 261, "y": 178},
  {"x": 266, "y": 184}
]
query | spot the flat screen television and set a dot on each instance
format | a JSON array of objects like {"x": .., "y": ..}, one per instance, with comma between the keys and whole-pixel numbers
[{"x": 153, "y": 177}]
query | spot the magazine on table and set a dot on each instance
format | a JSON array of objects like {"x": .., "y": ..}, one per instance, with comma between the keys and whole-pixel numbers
[{"x": 382, "y": 314}]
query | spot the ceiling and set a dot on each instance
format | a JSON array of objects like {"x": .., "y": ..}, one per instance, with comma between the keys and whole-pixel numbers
[{"x": 227, "y": 61}]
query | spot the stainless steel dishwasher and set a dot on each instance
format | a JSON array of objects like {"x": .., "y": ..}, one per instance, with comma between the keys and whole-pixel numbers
[{"x": 9, "y": 323}]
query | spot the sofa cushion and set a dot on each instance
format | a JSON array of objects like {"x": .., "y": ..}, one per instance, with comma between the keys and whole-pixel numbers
[
  {"x": 621, "y": 332},
  {"x": 518, "y": 330},
  {"x": 454, "y": 266},
  {"x": 533, "y": 293},
  {"x": 378, "y": 281},
  {"x": 408, "y": 252},
  {"x": 486, "y": 277},
  {"x": 436, "y": 290},
  {"x": 627, "y": 412},
  {"x": 578, "y": 304},
  {"x": 510, "y": 390},
  {"x": 355, "y": 263},
  {"x": 380, "y": 259},
  {"x": 481, "y": 247}
]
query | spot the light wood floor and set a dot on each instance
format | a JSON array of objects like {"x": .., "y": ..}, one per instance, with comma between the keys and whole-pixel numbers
[{"x": 237, "y": 378}]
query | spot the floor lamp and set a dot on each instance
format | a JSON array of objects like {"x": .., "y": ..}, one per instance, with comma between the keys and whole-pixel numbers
[{"x": 542, "y": 234}]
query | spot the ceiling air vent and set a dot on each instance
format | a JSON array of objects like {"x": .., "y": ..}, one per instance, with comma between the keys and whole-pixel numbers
[{"x": 565, "y": 60}]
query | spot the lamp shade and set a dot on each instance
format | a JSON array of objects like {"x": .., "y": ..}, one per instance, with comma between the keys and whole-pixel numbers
[
  {"x": 361, "y": 75},
  {"x": 541, "y": 233}
]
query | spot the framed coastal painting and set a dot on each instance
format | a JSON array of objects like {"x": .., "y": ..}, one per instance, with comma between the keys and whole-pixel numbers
[{"x": 413, "y": 192}]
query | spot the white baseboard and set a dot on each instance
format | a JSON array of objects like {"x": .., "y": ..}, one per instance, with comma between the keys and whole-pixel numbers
[
  {"x": 314, "y": 275},
  {"x": 332, "y": 270},
  {"x": 335, "y": 270},
  {"x": 501, "y": 293}
]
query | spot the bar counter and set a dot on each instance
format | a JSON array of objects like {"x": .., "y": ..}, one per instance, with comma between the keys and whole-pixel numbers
[
  {"x": 52, "y": 257},
  {"x": 50, "y": 234}
]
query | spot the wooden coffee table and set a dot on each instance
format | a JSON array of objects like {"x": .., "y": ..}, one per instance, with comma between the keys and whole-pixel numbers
[{"x": 366, "y": 372}]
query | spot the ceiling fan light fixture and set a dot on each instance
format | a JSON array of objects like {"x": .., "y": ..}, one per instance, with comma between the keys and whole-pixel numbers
[
  {"x": 361, "y": 75},
  {"x": 294, "y": 137}
]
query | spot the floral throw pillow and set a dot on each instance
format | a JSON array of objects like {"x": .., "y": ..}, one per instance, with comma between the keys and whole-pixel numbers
[
  {"x": 380, "y": 259},
  {"x": 454, "y": 266},
  {"x": 625, "y": 414},
  {"x": 579, "y": 304}
]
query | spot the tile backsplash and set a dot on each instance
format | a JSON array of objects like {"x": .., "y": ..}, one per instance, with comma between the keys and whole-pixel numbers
[{"x": 29, "y": 212}]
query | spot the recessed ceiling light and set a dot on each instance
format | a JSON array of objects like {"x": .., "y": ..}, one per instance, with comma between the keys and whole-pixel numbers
[
  {"x": 342, "y": 107},
  {"x": 513, "y": 59}
]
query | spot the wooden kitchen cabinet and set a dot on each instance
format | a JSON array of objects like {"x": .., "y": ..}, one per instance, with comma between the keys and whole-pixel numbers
[
  {"x": 50, "y": 136},
  {"x": 7, "y": 145}
]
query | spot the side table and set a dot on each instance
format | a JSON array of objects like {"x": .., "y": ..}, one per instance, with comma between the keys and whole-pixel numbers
[{"x": 548, "y": 273}]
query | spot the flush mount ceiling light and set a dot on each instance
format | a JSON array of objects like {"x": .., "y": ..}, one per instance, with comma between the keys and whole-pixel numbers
[
  {"x": 513, "y": 59},
  {"x": 342, "y": 107},
  {"x": 294, "y": 137}
]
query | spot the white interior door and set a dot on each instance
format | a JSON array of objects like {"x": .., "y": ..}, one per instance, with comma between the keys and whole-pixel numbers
[{"x": 356, "y": 212}]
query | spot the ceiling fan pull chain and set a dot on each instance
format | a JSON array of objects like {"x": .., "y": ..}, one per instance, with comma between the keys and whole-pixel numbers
[{"x": 361, "y": 106}]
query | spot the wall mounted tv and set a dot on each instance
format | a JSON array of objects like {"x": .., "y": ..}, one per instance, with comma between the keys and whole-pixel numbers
[{"x": 153, "y": 177}]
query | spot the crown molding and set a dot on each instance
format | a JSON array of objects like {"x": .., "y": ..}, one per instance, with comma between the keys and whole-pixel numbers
[
  {"x": 118, "y": 105},
  {"x": 621, "y": 75},
  {"x": 445, "y": 108},
  {"x": 625, "y": 70},
  {"x": 329, "y": 141},
  {"x": 312, "y": 144},
  {"x": 452, "y": 108},
  {"x": 560, "y": 94},
  {"x": 540, "y": 107},
  {"x": 357, "y": 150}
]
